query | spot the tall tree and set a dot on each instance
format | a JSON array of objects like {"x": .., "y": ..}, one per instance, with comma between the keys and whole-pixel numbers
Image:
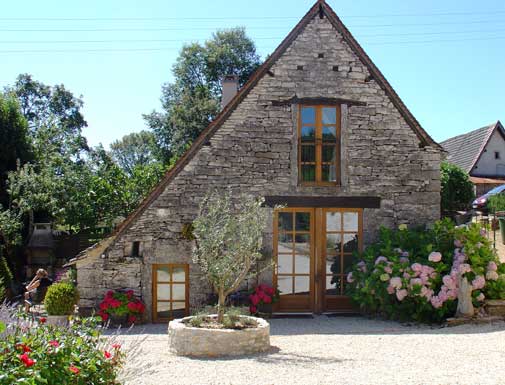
[
  {"x": 54, "y": 117},
  {"x": 192, "y": 100},
  {"x": 135, "y": 149},
  {"x": 15, "y": 146}
]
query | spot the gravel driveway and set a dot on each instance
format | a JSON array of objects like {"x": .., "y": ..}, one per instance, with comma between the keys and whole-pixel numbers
[{"x": 333, "y": 350}]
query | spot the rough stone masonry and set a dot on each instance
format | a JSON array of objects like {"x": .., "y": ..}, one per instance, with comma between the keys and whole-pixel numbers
[{"x": 255, "y": 152}]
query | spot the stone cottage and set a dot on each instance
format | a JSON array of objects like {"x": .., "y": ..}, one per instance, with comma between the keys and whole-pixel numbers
[{"x": 318, "y": 129}]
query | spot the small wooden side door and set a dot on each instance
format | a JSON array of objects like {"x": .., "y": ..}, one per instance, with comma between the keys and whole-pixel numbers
[{"x": 170, "y": 292}]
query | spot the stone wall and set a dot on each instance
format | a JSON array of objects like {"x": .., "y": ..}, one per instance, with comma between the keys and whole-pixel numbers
[{"x": 254, "y": 152}]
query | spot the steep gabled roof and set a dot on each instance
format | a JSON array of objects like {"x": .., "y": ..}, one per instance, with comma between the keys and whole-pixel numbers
[
  {"x": 319, "y": 9},
  {"x": 465, "y": 150}
]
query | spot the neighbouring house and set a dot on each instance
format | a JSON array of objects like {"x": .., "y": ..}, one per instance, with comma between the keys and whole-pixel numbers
[
  {"x": 481, "y": 153},
  {"x": 318, "y": 129}
]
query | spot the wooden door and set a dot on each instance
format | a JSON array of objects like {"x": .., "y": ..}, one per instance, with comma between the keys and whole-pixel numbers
[
  {"x": 341, "y": 236},
  {"x": 170, "y": 292},
  {"x": 313, "y": 250},
  {"x": 294, "y": 258}
]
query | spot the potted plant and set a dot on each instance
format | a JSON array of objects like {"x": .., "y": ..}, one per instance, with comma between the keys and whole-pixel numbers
[
  {"x": 261, "y": 299},
  {"x": 60, "y": 301},
  {"x": 121, "y": 308}
]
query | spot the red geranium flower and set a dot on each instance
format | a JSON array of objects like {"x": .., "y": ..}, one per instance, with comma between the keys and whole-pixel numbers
[
  {"x": 54, "y": 343},
  {"x": 107, "y": 354},
  {"x": 116, "y": 346},
  {"x": 42, "y": 320},
  {"x": 253, "y": 309},
  {"x": 267, "y": 299},
  {"x": 270, "y": 290},
  {"x": 26, "y": 348},
  {"x": 255, "y": 299},
  {"x": 129, "y": 294},
  {"x": 27, "y": 361},
  {"x": 132, "y": 319},
  {"x": 74, "y": 369},
  {"x": 109, "y": 294},
  {"x": 104, "y": 315}
]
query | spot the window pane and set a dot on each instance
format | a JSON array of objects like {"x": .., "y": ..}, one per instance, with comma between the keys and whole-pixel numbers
[
  {"x": 350, "y": 243},
  {"x": 302, "y": 264},
  {"x": 329, "y": 173},
  {"x": 179, "y": 274},
  {"x": 308, "y": 154},
  {"x": 302, "y": 285},
  {"x": 302, "y": 243},
  {"x": 351, "y": 221},
  {"x": 285, "y": 243},
  {"x": 332, "y": 264},
  {"x": 285, "y": 264},
  {"x": 333, "y": 221},
  {"x": 285, "y": 285},
  {"x": 330, "y": 154},
  {"x": 333, "y": 283},
  {"x": 308, "y": 115},
  {"x": 163, "y": 309},
  {"x": 333, "y": 244},
  {"x": 178, "y": 292},
  {"x": 308, "y": 172},
  {"x": 178, "y": 305},
  {"x": 308, "y": 134},
  {"x": 163, "y": 274},
  {"x": 329, "y": 115},
  {"x": 163, "y": 291},
  {"x": 329, "y": 134},
  {"x": 302, "y": 222},
  {"x": 286, "y": 221}
]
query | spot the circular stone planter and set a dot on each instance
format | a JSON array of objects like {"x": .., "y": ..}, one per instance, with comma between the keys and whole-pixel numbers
[
  {"x": 58, "y": 320},
  {"x": 185, "y": 340}
]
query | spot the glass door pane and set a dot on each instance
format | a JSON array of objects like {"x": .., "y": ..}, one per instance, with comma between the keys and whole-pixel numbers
[{"x": 170, "y": 296}]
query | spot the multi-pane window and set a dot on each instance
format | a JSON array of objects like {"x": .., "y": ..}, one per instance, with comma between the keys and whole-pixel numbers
[{"x": 319, "y": 145}]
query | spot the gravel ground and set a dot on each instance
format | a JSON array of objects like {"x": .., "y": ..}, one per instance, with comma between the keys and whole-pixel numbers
[{"x": 333, "y": 350}]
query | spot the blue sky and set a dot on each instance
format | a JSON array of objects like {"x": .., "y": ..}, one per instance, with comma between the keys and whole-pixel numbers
[{"x": 445, "y": 59}]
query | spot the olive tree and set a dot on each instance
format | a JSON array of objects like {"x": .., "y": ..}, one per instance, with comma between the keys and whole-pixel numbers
[{"x": 228, "y": 239}]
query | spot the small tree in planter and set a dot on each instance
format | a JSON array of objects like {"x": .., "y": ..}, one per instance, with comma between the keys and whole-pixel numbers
[{"x": 228, "y": 241}]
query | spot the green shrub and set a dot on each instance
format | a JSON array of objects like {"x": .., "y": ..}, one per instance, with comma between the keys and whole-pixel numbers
[
  {"x": 38, "y": 353},
  {"x": 61, "y": 298},
  {"x": 5, "y": 272},
  {"x": 496, "y": 203},
  {"x": 456, "y": 188},
  {"x": 413, "y": 274},
  {"x": 2, "y": 290}
]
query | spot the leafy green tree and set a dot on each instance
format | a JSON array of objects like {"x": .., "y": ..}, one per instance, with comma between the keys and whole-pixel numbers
[
  {"x": 14, "y": 143},
  {"x": 135, "y": 149},
  {"x": 54, "y": 117},
  {"x": 192, "y": 100},
  {"x": 228, "y": 239},
  {"x": 457, "y": 189}
]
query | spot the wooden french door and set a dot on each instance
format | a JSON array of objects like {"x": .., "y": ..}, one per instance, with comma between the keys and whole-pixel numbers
[
  {"x": 170, "y": 292},
  {"x": 313, "y": 250}
]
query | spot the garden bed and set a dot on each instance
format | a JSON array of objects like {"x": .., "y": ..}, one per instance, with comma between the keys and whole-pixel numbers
[{"x": 217, "y": 341}]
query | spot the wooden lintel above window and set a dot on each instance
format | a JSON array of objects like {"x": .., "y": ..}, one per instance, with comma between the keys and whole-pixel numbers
[
  {"x": 364, "y": 202},
  {"x": 315, "y": 101}
]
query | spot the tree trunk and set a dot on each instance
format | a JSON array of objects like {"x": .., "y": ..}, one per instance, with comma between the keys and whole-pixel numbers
[{"x": 221, "y": 304}]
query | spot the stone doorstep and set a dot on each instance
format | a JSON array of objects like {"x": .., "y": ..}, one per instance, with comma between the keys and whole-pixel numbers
[{"x": 474, "y": 320}]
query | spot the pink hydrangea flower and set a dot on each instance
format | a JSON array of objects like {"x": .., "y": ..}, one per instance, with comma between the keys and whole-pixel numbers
[
  {"x": 435, "y": 302},
  {"x": 417, "y": 267},
  {"x": 427, "y": 293},
  {"x": 492, "y": 275},
  {"x": 449, "y": 282},
  {"x": 406, "y": 275},
  {"x": 362, "y": 266},
  {"x": 404, "y": 260},
  {"x": 492, "y": 266},
  {"x": 416, "y": 281},
  {"x": 458, "y": 243},
  {"x": 405, "y": 254},
  {"x": 388, "y": 270},
  {"x": 435, "y": 256},
  {"x": 481, "y": 297},
  {"x": 390, "y": 289},
  {"x": 396, "y": 282},
  {"x": 464, "y": 268},
  {"x": 452, "y": 294},
  {"x": 479, "y": 282},
  {"x": 401, "y": 294},
  {"x": 380, "y": 259},
  {"x": 350, "y": 278}
]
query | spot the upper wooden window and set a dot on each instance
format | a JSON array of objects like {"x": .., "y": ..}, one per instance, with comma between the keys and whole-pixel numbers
[{"x": 319, "y": 145}]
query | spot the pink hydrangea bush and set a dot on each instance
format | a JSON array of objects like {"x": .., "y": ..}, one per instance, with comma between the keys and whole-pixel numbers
[{"x": 414, "y": 274}]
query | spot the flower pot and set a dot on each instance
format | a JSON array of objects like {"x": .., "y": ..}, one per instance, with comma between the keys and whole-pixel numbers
[
  {"x": 118, "y": 320},
  {"x": 58, "y": 320},
  {"x": 265, "y": 309}
]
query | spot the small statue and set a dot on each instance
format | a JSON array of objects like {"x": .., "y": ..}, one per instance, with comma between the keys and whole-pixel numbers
[{"x": 465, "y": 305}]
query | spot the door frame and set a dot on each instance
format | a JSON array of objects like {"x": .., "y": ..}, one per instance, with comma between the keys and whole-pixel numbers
[
  {"x": 154, "y": 297},
  {"x": 319, "y": 301}
]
